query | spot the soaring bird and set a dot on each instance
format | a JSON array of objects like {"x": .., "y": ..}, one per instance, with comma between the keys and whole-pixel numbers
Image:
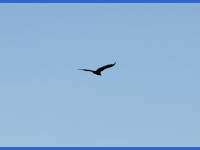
[{"x": 99, "y": 70}]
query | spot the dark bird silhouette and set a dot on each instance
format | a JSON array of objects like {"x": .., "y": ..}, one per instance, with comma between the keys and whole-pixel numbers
[{"x": 99, "y": 70}]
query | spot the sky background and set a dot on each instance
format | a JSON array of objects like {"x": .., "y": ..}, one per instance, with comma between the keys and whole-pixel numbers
[{"x": 150, "y": 98}]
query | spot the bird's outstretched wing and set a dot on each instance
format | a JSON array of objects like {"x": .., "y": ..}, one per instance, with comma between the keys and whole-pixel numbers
[
  {"x": 105, "y": 67},
  {"x": 86, "y": 70}
]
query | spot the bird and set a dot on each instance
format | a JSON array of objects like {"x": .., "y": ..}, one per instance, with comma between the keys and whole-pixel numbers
[{"x": 99, "y": 70}]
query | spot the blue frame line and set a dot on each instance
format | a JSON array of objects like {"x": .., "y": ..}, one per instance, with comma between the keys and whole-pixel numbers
[
  {"x": 99, "y": 1},
  {"x": 99, "y": 148}
]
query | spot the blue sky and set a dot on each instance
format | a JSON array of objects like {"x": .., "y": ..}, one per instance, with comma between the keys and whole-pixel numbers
[{"x": 150, "y": 98}]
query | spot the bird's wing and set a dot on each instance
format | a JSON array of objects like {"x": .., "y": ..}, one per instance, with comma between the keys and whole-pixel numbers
[
  {"x": 86, "y": 70},
  {"x": 105, "y": 67}
]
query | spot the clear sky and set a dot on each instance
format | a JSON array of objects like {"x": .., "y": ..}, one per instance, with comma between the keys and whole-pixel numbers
[{"x": 150, "y": 98}]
